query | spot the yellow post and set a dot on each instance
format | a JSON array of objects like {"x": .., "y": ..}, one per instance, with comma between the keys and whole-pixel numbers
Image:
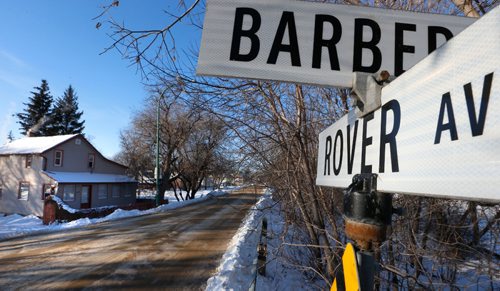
[{"x": 350, "y": 268}]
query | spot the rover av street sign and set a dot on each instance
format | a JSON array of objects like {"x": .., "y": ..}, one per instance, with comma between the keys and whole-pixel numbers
[{"x": 438, "y": 130}]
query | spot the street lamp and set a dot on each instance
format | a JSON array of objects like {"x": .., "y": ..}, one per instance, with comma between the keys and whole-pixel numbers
[{"x": 157, "y": 169}]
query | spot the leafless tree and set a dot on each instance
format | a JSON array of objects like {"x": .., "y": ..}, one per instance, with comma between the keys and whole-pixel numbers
[
  {"x": 222, "y": 168},
  {"x": 176, "y": 122},
  {"x": 189, "y": 140},
  {"x": 276, "y": 127},
  {"x": 199, "y": 153}
]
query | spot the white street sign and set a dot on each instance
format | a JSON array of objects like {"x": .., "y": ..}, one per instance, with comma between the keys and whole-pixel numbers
[
  {"x": 438, "y": 131},
  {"x": 316, "y": 43}
]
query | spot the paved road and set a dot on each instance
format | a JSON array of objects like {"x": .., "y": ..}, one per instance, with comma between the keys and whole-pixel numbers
[{"x": 178, "y": 249}]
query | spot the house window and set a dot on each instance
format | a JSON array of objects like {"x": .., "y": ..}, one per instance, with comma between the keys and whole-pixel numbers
[
  {"x": 115, "y": 192},
  {"x": 126, "y": 191},
  {"x": 44, "y": 161},
  {"x": 78, "y": 141},
  {"x": 24, "y": 191},
  {"x": 47, "y": 190},
  {"x": 102, "y": 191},
  {"x": 91, "y": 161},
  {"x": 69, "y": 193},
  {"x": 29, "y": 159},
  {"x": 58, "y": 158}
]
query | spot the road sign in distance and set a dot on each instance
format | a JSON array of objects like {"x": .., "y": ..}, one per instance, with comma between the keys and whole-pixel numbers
[
  {"x": 316, "y": 43},
  {"x": 438, "y": 131}
]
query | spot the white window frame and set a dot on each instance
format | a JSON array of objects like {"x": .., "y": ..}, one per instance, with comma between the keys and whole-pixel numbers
[
  {"x": 61, "y": 158},
  {"x": 23, "y": 195},
  {"x": 69, "y": 192},
  {"x": 102, "y": 195}
]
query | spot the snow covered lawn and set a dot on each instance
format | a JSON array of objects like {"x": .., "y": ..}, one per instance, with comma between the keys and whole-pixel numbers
[
  {"x": 16, "y": 225},
  {"x": 170, "y": 196}
]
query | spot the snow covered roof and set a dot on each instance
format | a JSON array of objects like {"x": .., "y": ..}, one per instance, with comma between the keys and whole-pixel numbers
[
  {"x": 33, "y": 145},
  {"x": 87, "y": 177}
]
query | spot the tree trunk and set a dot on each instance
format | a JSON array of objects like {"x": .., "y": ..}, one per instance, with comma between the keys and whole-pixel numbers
[
  {"x": 475, "y": 223},
  {"x": 466, "y": 7}
]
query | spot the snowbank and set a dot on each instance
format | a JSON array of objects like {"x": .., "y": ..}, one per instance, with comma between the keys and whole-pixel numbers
[
  {"x": 237, "y": 269},
  {"x": 17, "y": 225},
  {"x": 63, "y": 205},
  {"x": 170, "y": 196}
]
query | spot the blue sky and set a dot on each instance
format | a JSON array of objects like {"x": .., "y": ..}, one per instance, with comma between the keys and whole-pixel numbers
[{"x": 58, "y": 41}]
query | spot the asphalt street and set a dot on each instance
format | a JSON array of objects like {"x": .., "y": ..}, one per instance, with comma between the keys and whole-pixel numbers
[{"x": 179, "y": 249}]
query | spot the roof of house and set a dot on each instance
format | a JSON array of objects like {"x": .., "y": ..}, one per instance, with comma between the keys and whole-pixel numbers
[
  {"x": 33, "y": 145},
  {"x": 41, "y": 144},
  {"x": 86, "y": 177}
]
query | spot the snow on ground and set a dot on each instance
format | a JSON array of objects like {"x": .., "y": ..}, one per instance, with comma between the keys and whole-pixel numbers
[
  {"x": 170, "y": 196},
  {"x": 16, "y": 225},
  {"x": 237, "y": 269}
]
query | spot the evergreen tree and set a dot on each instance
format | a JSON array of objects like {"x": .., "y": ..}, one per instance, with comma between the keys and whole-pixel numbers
[
  {"x": 66, "y": 117},
  {"x": 34, "y": 120}
]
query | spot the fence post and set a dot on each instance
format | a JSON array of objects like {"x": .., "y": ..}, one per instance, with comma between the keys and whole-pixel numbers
[
  {"x": 259, "y": 263},
  {"x": 262, "y": 249}
]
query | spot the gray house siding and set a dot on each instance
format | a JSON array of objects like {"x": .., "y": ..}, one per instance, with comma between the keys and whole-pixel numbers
[
  {"x": 125, "y": 197},
  {"x": 13, "y": 171},
  {"x": 43, "y": 172},
  {"x": 75, "y": 159}
]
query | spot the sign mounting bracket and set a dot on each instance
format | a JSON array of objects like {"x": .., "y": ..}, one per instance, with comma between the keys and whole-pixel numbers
[{"x": 367, "y": 91}]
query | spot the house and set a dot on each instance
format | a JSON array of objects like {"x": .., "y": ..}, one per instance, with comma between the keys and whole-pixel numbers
[{"x": 65, "y": 165}]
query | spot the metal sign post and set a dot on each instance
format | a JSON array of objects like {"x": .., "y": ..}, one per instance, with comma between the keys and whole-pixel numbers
[{"x": 367, "y": 212}]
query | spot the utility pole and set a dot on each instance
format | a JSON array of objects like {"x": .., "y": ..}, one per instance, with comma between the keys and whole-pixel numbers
[{"x": 157, "y": 169}]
